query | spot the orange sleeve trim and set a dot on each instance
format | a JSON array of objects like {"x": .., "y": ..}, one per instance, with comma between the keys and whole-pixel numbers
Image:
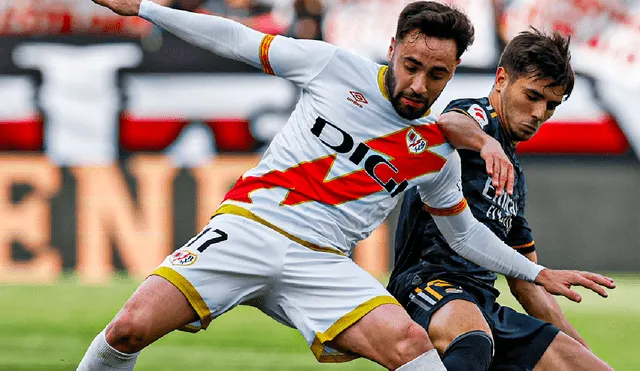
[
  {"x": 525, "y": 245},
  {"x": 264, "y": 54},
  {"x": 450, "y": 211}
]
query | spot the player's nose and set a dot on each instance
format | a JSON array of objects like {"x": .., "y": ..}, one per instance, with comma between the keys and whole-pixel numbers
[
  {"x": 419, "y": 86},
  {"x": 538, "y": 112}
]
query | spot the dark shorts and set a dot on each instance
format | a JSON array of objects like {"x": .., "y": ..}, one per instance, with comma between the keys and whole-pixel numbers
[{"x": 520, "y": 340}]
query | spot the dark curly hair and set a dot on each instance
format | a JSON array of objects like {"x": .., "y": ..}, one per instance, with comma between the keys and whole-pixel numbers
[
  {"x": 535, "y": 54},
  {"x": 436, "y": 20}
]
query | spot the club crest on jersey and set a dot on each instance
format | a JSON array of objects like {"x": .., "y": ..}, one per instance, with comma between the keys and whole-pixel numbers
[
  {"x": 183, "y": 257},
  {"x": 415, "y": 142},
  {"x": 478, "y": 114}
]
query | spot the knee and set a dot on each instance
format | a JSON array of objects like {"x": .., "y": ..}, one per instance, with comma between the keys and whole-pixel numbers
[
  {"x": 413, "y": 342},
  {"x": 472, "y": 351},
  {"x": 127, "y": 333}
]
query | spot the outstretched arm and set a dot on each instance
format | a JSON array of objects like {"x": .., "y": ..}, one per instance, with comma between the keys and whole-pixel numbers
[
  {"x": 296, "y": 60},
  {"x": 542, "y": 305},
  {"x": 474, "y": 241},
  {"x": 463, "y": 132}
]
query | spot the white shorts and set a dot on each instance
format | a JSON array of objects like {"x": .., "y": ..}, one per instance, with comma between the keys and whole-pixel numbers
[{"x": 236, "y": 260}]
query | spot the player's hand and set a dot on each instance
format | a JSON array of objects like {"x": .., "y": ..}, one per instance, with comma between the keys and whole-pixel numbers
[
  {"x": 122, "y": 7},
  {"x": 559, "y": 282},
  {"x": 498, "y": 166}
]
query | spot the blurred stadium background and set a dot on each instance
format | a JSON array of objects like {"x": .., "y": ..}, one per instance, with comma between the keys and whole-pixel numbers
[{"x": 117, "y": 141}]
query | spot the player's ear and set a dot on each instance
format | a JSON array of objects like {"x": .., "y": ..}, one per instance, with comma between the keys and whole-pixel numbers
[
  {"x": 392, "y": 46},
  {"x": 502, "y": 79},
  {"x": 455, "y": 68}
]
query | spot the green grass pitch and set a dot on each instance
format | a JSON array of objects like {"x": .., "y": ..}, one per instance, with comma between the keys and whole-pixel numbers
[{"x": 48, "y": 327}]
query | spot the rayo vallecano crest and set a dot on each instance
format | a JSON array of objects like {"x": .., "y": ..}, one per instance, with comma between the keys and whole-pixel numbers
[{"x": 415, "y": 142}]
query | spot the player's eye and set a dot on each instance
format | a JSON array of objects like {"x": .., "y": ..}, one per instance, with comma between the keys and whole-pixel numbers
[
  {"x": 437, "y": 76},
  {"x": 551, "y": 106},
  {"x": 410, "y": 69},
  {"x": 532, "y": 98}
]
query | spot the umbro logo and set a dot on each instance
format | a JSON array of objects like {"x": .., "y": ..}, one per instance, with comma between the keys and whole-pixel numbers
[{"x": 357, "y": 98}]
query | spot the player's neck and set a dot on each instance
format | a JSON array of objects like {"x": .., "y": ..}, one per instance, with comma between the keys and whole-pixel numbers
[{"x": 496, "y": 103}]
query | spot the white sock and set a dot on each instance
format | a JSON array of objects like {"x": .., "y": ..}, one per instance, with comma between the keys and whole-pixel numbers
[
  {"x": 102, "y": 357},
  {"x": 429, "y": 361}
]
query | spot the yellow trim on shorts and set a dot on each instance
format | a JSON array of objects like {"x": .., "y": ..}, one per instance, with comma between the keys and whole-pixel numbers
[
  {"x": 240, "y": 211},
  {"x": 190, "y": 328},
  {"x": 342, "y": 324},
  {"x": 318, "y": 349},
  {"x": 190, "y": 292}
]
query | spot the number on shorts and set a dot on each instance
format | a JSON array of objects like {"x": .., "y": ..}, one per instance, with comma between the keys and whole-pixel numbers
[{"x": 222, "y": 236}]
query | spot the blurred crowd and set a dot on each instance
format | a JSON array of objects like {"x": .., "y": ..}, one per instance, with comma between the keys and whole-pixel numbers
[
  {"x": 605, "y": 40},
  {"x": 297, "y": 18}
]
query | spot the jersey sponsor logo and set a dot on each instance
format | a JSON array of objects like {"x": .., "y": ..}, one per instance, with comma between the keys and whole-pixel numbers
[
  {"x": 385, "y": 166},
  {"x": 357, "y": 98},
  {"x": 415, "y": 142},
  {"x": 479, "y": 115},
  {"x": 503, "y": 208},
  {"x": 183, "y": 258}
]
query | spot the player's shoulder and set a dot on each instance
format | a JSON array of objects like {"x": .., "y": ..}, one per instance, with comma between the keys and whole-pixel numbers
[
  {"x": 426, "y": 127},
  {"x": 357, "y": 63},
  {"x": 478, "y": 109}
]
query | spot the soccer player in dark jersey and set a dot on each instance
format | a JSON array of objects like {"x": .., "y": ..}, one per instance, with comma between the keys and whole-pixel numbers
[{"x": 455, "y": 299}]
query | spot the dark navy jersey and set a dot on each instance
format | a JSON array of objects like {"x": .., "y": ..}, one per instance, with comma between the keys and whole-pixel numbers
[{"x": 419, "y": 245}]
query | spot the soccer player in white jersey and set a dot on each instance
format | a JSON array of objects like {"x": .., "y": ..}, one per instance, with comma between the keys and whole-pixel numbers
[{"x": 281, "y": 240}]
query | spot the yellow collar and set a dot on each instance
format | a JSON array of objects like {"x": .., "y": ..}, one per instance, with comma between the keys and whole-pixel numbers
[{"x": 381, "y": 82}]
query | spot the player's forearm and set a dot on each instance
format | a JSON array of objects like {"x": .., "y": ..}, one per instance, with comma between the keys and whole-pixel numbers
[
  {"x": 462, "y": 132},
  {"x": 540, "y": 304},
  {"x": 475, "y": 242},
  {"x": 222, "y": 36}
]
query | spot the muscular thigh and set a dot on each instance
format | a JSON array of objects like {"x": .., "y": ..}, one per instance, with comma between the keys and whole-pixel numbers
[
  {"x": 520, "y": 340},
  {"x": 322, "y": 294},
  {"x": 455, "y": 318},
  {"x": 565, "y": 353},
  {"x": 231, "y": 261},
  {"x": 446, "y": 311}
]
